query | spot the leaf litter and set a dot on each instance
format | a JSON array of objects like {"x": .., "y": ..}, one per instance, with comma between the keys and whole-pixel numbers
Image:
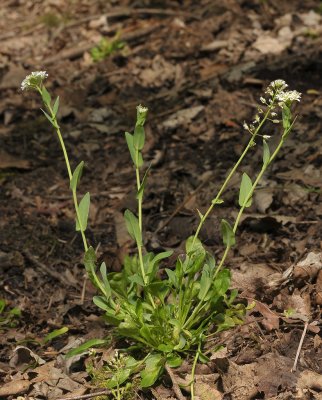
[{"x": 198, "y": 67}]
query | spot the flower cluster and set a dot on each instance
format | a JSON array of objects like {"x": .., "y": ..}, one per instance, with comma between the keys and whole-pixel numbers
[
  {"x": 34, "y": 80},
  {"x": 278, "y": 97}
]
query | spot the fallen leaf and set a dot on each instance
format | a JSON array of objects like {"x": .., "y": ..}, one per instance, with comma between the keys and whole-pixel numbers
[
  {"x": 182, "y": 117},
  {"x": 9, "y": 161},
  {"x": 14, "y": 387},
  {"x": 309, "y": 267}
]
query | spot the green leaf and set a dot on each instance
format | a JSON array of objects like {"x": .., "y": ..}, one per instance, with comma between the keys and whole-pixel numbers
[
  {"x": 90, "y": 259},
  {"x": 266, "y": 153},
  {"x": 153, "y": 369},
  {"x": 153, "y": 264},
  {"x": 2, "y": 305},
  {"x": 139, "y": 137},
  {"x": 205, "y": 283},
  {"x": 83, "y": 210},
  {"x": 245, "y": 190},
  {"x": 52, "y": 335},
  {"x": 118, "y": 378},
  {"x": 199, "y": 213},
  {"x": 56, "y": 106},
  {"x": 49, "y": 118},
  {"x": 181, "y": 344},
  {"x": 222, "y": 282},
  {"x": 132, "y": 224},
  {"x": 107, "y": 287},
  {"x": 165, "y": 348},
  {"x": 174, "y": 361},
  {"x": 172, "y": 277},
  {"x": 101, "y": 302},
  {"x": 194, "y": 246},
  {"x": 140, "y": 192},
  {"x": 45, "y": 96},
  {"x": 287, "y": 116},
  {"x": 217, "y": 201},
  {"x": 76, "y": 176},
  {"x": 89, "y": 263},
  {"x": 136, "y": 278},
  {"x": 227, "y": 233},
  {"x": 130, "y": 145},
  {"x": 85, "y": 346}
]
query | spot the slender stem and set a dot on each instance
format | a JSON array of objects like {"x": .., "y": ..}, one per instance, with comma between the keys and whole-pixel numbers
[
  {"x": 231, "y": 173},
  {"x": 222, "y": 261},
  {"x": 61, "y": 140},
  {"x": 250, "y": 194},
  {"x": 139, "y": 245},
  {"x": 193, "y": 372},
  {"x": 197, "y": 309}
]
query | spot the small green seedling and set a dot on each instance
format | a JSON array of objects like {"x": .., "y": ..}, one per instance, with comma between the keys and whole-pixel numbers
[
  {"x": 8, "y": 316},
  {"x": 105, "y": 48},
  {"x": 167, "y": 318}
]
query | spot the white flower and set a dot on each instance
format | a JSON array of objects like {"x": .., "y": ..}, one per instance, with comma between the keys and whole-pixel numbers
[
  {"x": 263, "y": 100},
  {"x": 266, "y": 137},
  {"x": 141, "y": 109},
  {"x": 273, "y": 114},
  {"x": 278, "y": 84},
  {"x": 288, "y": 97},
  {"x": 33, "y": 80},
  {"x": 245, "y": 126}
]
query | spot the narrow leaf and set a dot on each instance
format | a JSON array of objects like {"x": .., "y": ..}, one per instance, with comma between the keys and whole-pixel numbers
[
  {"x": 217, "y": 201},
  {"x": 205, "y": 283},
  {"x": 130, "y": 145},
  {"x": 83, "y": 210},
  {"x": 85, "y": 346},
  {"x": 89, "y": 260},
  {"x": 48, "y": 117},
  {"x": 227, "y": 233},
  {"x": 139, "y": 195},
  {"x": 266, "y": 153},
  {"x": 136, "y": 279},
  {"x": 76, "y": 176},
  {"x": 107, "y": 287},
  {"x": 139, "y": 137},
  {"x": 45, "y": 96},
  {"x": 56, "y": 106},
  {"x": 132, "y": 225},
  {"x": 52, "y": 335},
  {"x": 101, "y": 302},
  {"x": 245, "y": 190}
]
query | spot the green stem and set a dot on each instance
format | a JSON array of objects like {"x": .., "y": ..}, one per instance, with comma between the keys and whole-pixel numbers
[
  {"x": 62, "y": 144},
  {"x": 193, "y": 372},
  {"x": 231, "y": 173},
  {"x": 198, "y": 308},
  {"x": 139, "y": 245},
  {"x": 240, "y": 213}
]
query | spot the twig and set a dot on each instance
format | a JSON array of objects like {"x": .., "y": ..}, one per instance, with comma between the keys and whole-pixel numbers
[
  {"x": 175, "y": 385},
  {"x": 86, "y": 396},
  {"x": 300, "y": 347}
]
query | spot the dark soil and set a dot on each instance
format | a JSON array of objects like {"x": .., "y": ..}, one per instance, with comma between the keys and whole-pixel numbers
[{"x": 213, "y": 60}]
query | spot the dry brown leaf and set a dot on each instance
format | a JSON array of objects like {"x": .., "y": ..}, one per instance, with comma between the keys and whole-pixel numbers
[
  {"x": 14, "y": 387},
  {"x": 318, "y": 288},
  {"x": 9, "y": 161},
  {"x": 271, "y": 319},
  {"x": 309, "y": 267}
]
